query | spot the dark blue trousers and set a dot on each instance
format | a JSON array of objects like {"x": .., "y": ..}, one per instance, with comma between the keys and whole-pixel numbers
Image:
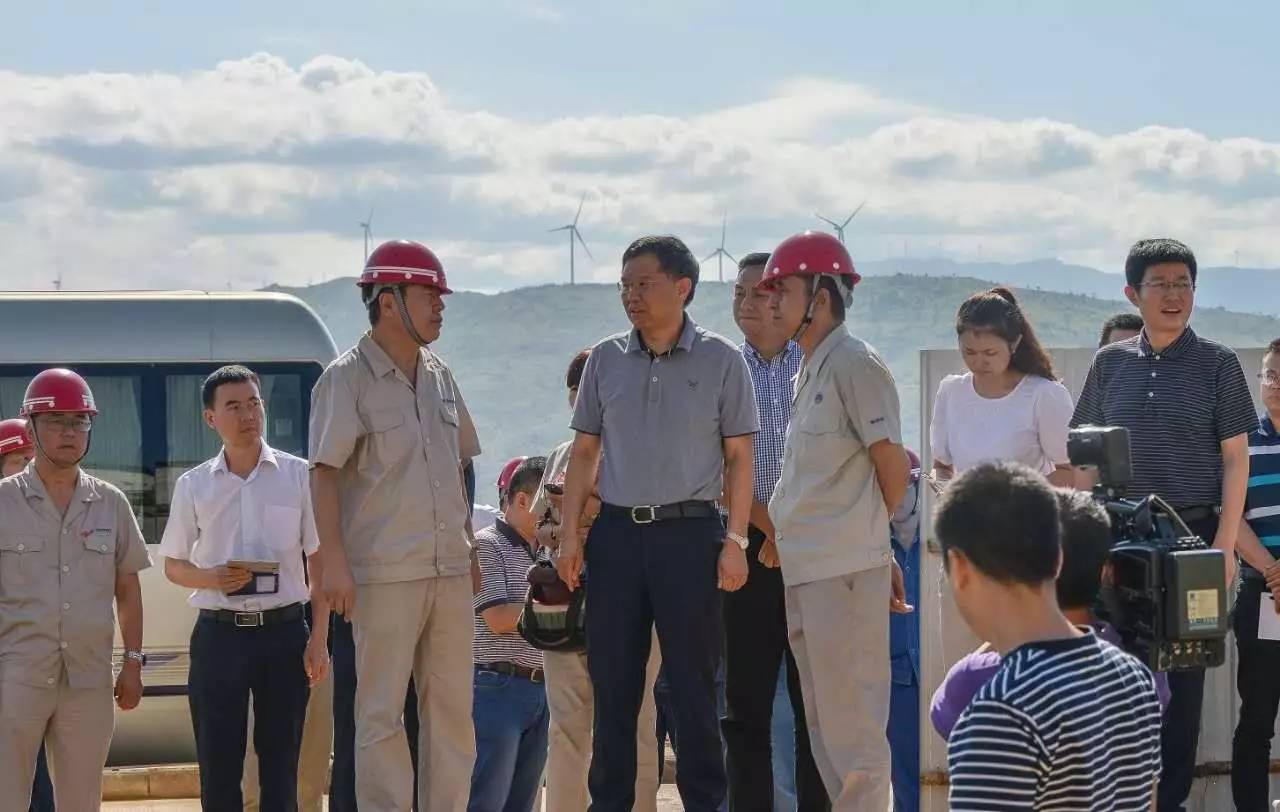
[
  {"x": 229, "y": 665},
  {"x": 42, "y": 788},
  {"x": 661, "y": 575},
  {"x": 342, "y": 781}
]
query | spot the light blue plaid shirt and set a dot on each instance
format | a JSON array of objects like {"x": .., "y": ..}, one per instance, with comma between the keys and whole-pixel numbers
[{"x": 774, "y": 383}]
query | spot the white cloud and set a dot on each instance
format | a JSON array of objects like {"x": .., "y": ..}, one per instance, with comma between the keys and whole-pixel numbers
[{"x": 256, "y": 170}]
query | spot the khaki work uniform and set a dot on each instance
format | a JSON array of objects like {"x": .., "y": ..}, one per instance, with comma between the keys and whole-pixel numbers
[
  {"x": 833, "y": 541},
  {"x": 398, "y": 448},
  {"x": 572, "y": 704},
  {"x": 57, "y": 593}
]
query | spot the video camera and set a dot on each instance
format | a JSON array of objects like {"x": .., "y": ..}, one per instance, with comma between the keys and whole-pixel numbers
[{"x": 1167, "y": 595}]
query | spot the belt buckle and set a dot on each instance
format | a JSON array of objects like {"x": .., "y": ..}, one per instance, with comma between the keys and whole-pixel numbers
[
  {"x": 252, "y": 620},
  {"x": 537, "y": 676},
  {"x": 636, "y": 514}
]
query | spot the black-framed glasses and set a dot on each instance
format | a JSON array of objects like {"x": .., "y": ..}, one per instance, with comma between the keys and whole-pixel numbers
[
  {"x": 1180, "y": 287},
  {"x": 1269, "y": 377}
]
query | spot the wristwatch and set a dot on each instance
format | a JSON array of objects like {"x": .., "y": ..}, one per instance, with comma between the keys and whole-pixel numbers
[
  {"x": 137, "y": 656},
  {"x": 741, "y": 541}
]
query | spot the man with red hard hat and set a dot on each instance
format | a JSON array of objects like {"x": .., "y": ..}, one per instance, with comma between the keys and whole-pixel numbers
[
  {"x": 16, "y": 447},
  {"x": 390, "y": 435},
  {"x": 844, "y": 473},
  {"x": 69, "y": 546}
]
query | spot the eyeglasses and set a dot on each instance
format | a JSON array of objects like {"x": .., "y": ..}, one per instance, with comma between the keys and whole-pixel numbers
[
  {"x": 79, "y": 425},
  {"x": 1269, "y": 378},
  {"x": 1180, "y": 287},
  {"x": 642, "y": 287}
]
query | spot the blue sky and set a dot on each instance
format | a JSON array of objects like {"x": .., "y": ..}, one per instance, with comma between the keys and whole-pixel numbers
[{"x": 1001, "y": 130}]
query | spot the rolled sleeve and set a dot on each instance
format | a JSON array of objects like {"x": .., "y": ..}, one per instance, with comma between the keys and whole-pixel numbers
[
  {"x": 468, "y": 438},
  {"x": 181, "y": 531},
  {"x": 493, "y": 580},
  {"x": 1234, "y": 405},
  {"x": 870, "y": 398},
  {"x": 1088, "y": 411},
  {"x": 588, "y": 412},
  {"x": 131, "y": 548},
  {"x": 738, "y": 413},
  {"x": 335, "y": 421},
  {"x": 310, "y": 536},
  {"x": 1053, "y": 412}
]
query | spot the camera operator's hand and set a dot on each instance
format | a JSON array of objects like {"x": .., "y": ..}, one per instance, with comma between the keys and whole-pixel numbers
[
  {"x": 1272, "y": 574},
  {"x": 898, "y": 591}
]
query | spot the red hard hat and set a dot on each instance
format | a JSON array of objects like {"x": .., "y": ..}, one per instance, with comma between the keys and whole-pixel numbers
[
  {"x": 508, "y": 471},
  {"x": 14, "y": 437},
  {"x": 58, "y": 390},
  {"x": 807, "y": 254},
  {"x": 404, "y": 262}
]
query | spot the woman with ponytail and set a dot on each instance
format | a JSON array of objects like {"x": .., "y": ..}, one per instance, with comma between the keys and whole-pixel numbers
[{"x": 1010, "y": 404}]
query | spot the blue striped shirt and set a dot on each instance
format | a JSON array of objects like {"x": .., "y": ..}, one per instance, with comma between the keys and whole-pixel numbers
[
  {"x": 774, "y": 382},
  {"x": 1070, "y": 725},
  {"x": 1262, "y": 500},
  {"x": 1178, "y": 404}
]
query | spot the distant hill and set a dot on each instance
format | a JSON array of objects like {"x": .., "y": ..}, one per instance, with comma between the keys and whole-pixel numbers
[
  {"x": 1247, "y": 290},
  {"x": 509, "y": 350}
]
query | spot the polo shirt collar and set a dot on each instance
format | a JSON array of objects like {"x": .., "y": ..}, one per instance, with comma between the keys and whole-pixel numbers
[
  {"x": 689, "y": 332},
  {"x": 1177, "y": 349},
  {"x": 1265, "y": 427},
  {"x": 510, "y": 535},
  {"x": 266, "y": 454}
]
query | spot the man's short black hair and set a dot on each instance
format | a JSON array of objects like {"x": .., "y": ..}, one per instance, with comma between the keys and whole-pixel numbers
[
  {"x": 674, "y": 258},
  {"x": 574, "y": 376},
  {"x": 526, "y": 478},
  {"x": 1146, "y": 253},
  {"x": 1003, "y": 516},
  {"x": 234, "y": 373},
  {"x": 1273, "y": 347},
  {"x": 1120, "y": 321},
  {"x": 1086, "y": 543},
  {"x": 835, "y": 295},
  {"x": 753, "y": 259}
]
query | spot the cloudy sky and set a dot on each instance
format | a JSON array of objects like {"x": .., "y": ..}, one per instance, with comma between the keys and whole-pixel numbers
[{"x": 154, "y": 144}]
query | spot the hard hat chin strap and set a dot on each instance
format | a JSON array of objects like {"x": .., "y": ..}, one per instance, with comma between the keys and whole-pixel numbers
[
  {"x": 398, "y": 291},
  {"x": 35, "y": 440},
  {"x": 808, "y": 313}
]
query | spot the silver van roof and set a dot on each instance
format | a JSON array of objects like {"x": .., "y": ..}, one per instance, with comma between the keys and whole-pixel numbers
[{"x": 159, "y": 326}]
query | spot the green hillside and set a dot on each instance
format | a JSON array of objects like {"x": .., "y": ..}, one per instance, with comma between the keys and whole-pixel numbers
[{"x": 509, "y": 350}]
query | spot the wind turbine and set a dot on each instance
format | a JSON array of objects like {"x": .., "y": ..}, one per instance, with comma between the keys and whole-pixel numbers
[
  {"x": 720, "y": 253},
  {"x": 840, "y": 227},
  {"x": 367, "y": 225},
  {"x": 574, "y": 233}
]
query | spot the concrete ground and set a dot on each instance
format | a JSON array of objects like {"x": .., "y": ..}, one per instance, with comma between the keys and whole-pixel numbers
[{"x": 668, "y": 801}]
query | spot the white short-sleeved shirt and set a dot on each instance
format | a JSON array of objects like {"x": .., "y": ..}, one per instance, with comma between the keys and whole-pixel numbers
[
  {"x": 1029, "y": 425},
  {"x": 216, "y": 517}
]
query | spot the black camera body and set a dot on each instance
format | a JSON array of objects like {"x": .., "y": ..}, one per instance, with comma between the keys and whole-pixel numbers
[{"x": 1167, "y": 596}]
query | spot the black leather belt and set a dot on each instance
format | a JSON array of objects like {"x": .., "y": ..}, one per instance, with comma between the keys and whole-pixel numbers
[
  {"x": 1198, "y": 513},
  {"x": 252, "y": 620},
  {"x": 513, "y": 670},
  {"x": 648, "y": 514}
]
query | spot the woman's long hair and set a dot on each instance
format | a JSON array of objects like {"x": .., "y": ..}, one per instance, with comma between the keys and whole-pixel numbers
[{"x": 996, "y": 311}]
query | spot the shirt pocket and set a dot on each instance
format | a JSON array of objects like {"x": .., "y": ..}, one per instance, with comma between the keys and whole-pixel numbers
[
  {"x": 389, "y": 439},
  {"x": 19, "y": 555},
  {"x": 99, "y": 554},
  {"x": 282, "y": 525}
]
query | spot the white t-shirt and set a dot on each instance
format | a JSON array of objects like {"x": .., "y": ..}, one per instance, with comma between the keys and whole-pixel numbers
[{"x": 1029, "y": 425}]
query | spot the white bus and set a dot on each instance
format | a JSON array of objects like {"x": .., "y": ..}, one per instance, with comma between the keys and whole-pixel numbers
[{"x": 145, "y": 355}]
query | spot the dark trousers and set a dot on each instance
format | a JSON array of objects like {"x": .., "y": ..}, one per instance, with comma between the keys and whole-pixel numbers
[
  {"x": 1180, "y": 732},
  {"x": 1258, "y": 681},
  {"x": 229, "y": 665},
  {"x": 42, "y": 787},
  {"x": 342, "y": 780},
  {"x": 661, "y": 575},
  {"x": 755, "y": 645}
]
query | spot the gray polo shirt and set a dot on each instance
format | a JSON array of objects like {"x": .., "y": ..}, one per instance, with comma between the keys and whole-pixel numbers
[{"x": 662, "y": 418}]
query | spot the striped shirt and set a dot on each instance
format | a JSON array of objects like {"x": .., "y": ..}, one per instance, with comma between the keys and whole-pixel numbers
[
  {"x": 1178, "y": 404},
  {"x": 1262, "y": 500},
  {"x": 1069, "y": 725},
  {"x": 774, "y": 383},
  {"x": 504, "y": 558}
]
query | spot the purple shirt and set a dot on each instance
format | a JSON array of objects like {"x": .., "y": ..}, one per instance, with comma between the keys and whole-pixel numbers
[{"x": 975, "y": 669}]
